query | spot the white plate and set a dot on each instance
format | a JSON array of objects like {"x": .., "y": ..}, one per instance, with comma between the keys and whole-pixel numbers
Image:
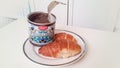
[{"x": 31, "y": 52}]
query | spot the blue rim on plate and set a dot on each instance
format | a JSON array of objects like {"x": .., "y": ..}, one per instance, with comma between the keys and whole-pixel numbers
[{"x": 30, "y": 53}]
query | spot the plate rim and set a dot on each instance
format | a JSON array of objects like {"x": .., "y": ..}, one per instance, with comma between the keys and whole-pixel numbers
[{"x": 78, "y": 58}]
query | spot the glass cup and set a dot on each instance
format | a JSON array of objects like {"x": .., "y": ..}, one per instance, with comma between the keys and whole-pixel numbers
[{"x": 41, "y": 29}]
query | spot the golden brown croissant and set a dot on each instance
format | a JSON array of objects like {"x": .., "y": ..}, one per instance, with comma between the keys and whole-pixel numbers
[
  {"x": 66, "y": 36},
  {"x": 64, "y": 46}
]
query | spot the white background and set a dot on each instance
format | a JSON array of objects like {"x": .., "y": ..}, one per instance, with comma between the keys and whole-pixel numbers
[{"x": 96, "y": 14}]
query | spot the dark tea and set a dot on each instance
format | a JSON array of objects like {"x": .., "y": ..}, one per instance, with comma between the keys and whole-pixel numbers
[{"x": 41, "y": 28}]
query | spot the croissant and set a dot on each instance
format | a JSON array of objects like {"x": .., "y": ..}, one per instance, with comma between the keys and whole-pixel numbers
[
  {"x": 66, "y": 36},
  {"x": 64, "y": 46}
]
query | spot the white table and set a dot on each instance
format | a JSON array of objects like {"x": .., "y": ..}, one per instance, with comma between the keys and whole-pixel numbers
[{"x": 103, "y": 47}]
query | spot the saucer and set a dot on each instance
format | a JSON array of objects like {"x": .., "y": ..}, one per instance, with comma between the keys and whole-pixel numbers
[{"x": 31, "y": 52}]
